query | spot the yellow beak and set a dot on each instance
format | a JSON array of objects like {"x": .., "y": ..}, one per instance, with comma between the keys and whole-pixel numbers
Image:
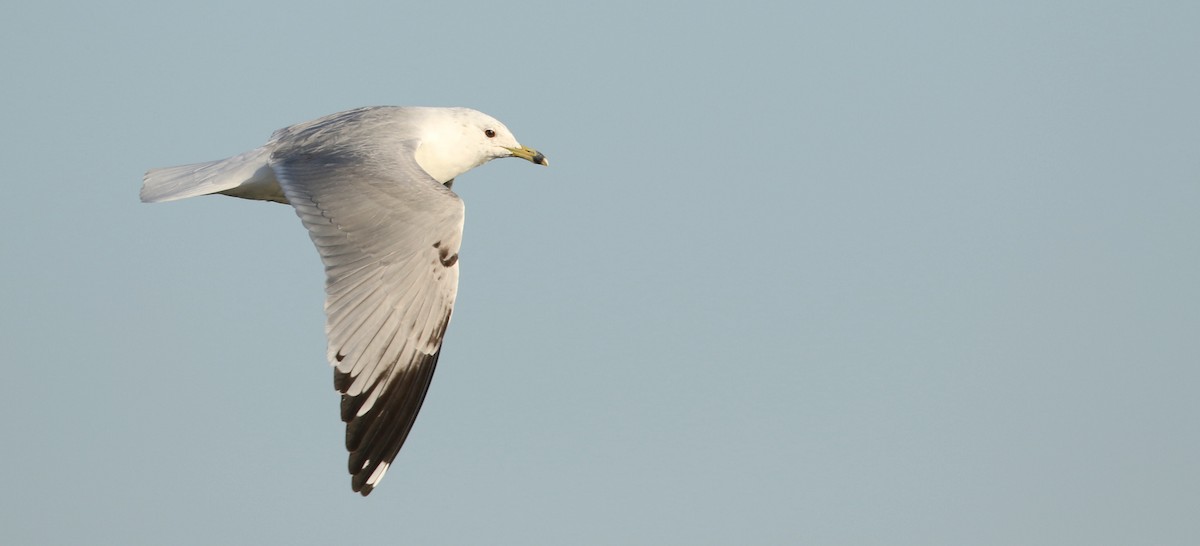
[{"x": 529, "y": 154}]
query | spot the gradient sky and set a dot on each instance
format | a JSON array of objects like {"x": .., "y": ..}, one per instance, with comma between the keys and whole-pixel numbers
[{"x": 831, "y": 273}]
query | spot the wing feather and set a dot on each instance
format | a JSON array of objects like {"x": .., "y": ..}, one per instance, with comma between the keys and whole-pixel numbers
[{"x": 384, "y": 230}]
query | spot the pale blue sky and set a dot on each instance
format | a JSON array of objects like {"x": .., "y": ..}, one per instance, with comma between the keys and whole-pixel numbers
[{"x": 831, "y": 273}]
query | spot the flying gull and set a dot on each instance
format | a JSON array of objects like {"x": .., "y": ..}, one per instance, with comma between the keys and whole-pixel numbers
[{"x": 372, "y": 186}]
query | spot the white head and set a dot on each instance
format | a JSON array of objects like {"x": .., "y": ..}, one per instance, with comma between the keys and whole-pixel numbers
[{"x": 456, "y": 140}]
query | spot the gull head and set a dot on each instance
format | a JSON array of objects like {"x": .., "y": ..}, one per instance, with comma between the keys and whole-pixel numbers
[{"x": 456, "y": 140}]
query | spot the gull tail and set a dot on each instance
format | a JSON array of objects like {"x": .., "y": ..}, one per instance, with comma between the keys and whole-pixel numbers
[{"x": 244, "y": 175}]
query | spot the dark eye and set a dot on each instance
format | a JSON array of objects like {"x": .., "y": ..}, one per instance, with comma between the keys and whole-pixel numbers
[{"x": 490, "y": 133}]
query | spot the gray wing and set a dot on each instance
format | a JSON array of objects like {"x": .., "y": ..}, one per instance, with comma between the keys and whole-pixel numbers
[{"x": 389, "y": 236}]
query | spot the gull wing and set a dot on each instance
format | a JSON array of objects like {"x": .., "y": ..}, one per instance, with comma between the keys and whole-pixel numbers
[{"x": 389, "y": 235}]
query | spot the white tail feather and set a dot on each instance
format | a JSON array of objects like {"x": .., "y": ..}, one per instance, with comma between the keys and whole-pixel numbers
[{"x": 249, "y": 169}]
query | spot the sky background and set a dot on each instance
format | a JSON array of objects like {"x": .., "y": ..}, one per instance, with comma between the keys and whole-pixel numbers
[{"x": 825, "y": 273}]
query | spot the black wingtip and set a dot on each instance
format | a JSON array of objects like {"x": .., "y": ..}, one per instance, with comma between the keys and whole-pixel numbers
[
  {"x": 375, "y": 437},
  {"x": 361, "y": 488}
]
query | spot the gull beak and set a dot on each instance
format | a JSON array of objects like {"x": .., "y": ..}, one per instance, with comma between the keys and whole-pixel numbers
[{"x": 529, "y": 154}]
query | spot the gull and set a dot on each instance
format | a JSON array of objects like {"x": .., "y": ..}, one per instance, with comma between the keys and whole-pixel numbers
[{"x": 372, "y": 187}]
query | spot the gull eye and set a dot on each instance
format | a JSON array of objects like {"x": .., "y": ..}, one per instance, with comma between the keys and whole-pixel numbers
[{"x": 490, "y": 133}]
